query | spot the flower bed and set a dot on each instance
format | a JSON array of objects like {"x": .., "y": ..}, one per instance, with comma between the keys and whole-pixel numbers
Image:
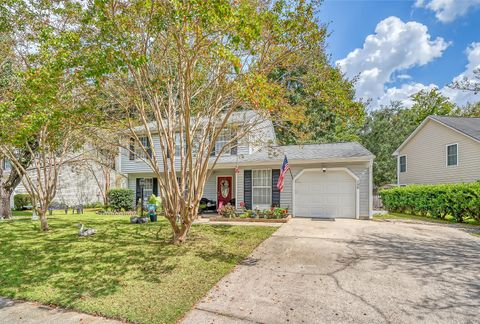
[
  {"x": 252, "y": 220},
  {"x": 271, "y": 215}
]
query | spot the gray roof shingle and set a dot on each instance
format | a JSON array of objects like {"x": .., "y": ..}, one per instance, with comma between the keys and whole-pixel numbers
[
  {"x": 469, "y": 126},
  {"x": 305, "y": 152}
]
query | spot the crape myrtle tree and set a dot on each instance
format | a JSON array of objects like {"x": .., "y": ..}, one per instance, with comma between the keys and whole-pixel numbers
[
  {"x": 189, "y": 72},
  {"x": 43, "y": 112}
]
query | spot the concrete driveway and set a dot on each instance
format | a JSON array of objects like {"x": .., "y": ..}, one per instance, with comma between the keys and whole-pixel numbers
[{"x": 351, "y": 271}]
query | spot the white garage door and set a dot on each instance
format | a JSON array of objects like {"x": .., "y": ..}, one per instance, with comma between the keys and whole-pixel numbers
[{"x": 330, "y": 194}]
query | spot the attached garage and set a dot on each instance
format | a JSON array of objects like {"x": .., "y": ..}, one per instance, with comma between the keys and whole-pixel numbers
[{"x": 325, "y": 193}]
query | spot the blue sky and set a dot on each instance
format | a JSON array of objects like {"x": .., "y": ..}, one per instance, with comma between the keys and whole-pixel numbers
[{"x": 437, "y": 41}]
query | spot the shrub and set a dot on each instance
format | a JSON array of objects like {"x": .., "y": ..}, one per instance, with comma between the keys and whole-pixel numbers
[
  {"x": 457, "y": 200},
  {"x": 227, "y": 211},
  {"x": 121, "y": 198},
  {"x": 21, "y": 200}
]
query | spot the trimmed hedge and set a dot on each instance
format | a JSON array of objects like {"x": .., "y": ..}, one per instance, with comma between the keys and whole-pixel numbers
[
  {"x": 121, "y": 198},
  {"x": 458, "y": 200},
  {"x": 21, "y": 200}
]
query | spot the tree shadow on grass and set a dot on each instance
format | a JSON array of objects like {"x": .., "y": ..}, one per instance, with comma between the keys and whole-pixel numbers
[{"x": 61, "y": 268}]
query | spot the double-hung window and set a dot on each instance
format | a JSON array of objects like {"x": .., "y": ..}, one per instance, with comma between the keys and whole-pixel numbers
[
  {"x": 6, "y": 165},
  {"x": 261, "y": 188},
  {"x": 452, "y": 155},
  {"x": 224, "y": 140},
  {"x": 139, "y": 149},
  {"x": 403, "y": 163}
]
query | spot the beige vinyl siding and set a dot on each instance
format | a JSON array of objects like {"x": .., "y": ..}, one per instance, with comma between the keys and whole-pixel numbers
[
  {"x": 426, "y": 157},
  {"x": 360, "y": 169}
]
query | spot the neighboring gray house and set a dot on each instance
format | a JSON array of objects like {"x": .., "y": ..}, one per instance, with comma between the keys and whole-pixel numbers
[
  {"x": 326, "y": 180},
  {"x": 441, "y": 150},
  {"x": 78, "y": 185}
]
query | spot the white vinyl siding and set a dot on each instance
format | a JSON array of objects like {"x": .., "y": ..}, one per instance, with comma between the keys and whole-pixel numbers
[
  {"x": 452, "y": 155},
  {"x": 360, "y": 169},
  {"x": 261, "y": 189},
  {"x": 427, "y": 156}
]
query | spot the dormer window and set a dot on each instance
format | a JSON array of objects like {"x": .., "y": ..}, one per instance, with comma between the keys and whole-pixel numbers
[{"x": 452, "y": 155}]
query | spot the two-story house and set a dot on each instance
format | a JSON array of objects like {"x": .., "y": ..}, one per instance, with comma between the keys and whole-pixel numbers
[
  {"x": 326, "y": 180},
  {"x": 441, "y": 150}
]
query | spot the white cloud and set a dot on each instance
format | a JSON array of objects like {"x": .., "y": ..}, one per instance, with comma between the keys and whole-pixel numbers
[
  {"x": 394, "y": 47},
  {"x": 403, "y": 76},
  {"x": 448, "y": 10},
  {"x": 461, "y": 98},
  {"x": 402, "y": 94}
]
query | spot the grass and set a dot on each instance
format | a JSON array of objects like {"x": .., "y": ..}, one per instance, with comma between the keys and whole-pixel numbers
[
  {"x": 447, "y": 220},
  {"x": 126, "y": 271}
]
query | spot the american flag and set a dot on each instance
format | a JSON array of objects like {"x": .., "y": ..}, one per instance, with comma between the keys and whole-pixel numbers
[{"x": 283, "y": 171}]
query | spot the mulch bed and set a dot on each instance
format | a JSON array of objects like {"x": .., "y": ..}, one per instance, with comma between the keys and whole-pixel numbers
[{"x": 252, "y": 220}]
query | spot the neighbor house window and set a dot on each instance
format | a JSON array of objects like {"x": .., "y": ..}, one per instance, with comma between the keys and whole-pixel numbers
[
  {"x": 452, "y": 155},
  {"x": 403, "y": 163},
  {"x": 261, "y": 188}
]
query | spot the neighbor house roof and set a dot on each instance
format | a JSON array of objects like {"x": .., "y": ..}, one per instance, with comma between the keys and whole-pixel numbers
[
  {"x": 304, "y": 153},
  {"x": 468, "y": 126}
]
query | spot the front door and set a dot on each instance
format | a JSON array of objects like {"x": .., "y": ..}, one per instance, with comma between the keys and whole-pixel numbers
[{"x": 224, "y": 190}]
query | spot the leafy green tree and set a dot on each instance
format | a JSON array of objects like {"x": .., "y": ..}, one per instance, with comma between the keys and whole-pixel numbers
[
  {"x": 430, "y": 102},
  {"x": 43, "y": 110},
  {"x": 331, "y": 112}
]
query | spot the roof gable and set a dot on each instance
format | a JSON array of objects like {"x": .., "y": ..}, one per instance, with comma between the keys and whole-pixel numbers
[{"x": 467, "y": 126}]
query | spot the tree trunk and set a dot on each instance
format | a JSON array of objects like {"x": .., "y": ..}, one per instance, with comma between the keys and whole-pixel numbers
[
  {"x": 5, "y": 210},
  {"x": 43, "y": 220},
  {"x": 180, "y": 236}
]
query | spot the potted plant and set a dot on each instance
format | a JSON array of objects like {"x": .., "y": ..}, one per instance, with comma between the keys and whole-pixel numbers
[{"x": 152, "y": 208}]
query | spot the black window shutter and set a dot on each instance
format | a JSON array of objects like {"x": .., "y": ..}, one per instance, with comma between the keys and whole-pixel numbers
[
  {"x": 275, "y": 190},
  {"x": 247, "y": 188},
  {"x": 138, "y": 192},
  {"x": 155, "y": 186},
  {"x": 233, "y": 150},
  {"x": 132, "y": 149},
  {"x": 149, "y": 147}
]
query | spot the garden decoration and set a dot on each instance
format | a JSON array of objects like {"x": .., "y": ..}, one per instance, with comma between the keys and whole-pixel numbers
[
  {"x": 85, "y": 231},
  {"x": 152, "y": 208}
]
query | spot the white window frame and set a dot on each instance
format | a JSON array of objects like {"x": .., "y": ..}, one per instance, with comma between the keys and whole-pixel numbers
[
  {"x": 222, "y": 142},
  {"x": 446, "y": 154},
  {"x": 147, "y": 189},
  {"x": 268, "y": 186},
  {"x": 139, "y": 153},
  {"x": 400, "y": 163},
  {"x": 6, "y": 165}
]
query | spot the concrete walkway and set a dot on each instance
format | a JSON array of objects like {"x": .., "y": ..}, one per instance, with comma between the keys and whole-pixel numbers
[
  {"x": 351, "y": 271},
  {"x": 15, "y": 312}
]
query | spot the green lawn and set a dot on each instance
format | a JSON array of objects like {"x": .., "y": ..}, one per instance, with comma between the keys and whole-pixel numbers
[
  {"x": 126, "y": 271},
  {"x": 447, "y": 220}
]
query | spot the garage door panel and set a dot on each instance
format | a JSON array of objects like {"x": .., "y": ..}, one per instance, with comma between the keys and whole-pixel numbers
[{"x": 327, "y": 195}]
